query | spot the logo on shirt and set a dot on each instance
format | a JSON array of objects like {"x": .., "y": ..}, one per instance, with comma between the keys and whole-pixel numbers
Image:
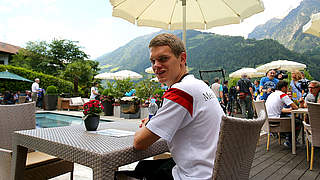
[{"x": 208, "y": 95}]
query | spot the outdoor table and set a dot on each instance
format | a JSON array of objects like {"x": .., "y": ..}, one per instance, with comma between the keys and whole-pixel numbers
[
  {"x": 293, "y": 125},
  {"x": 103, "y": 153}
]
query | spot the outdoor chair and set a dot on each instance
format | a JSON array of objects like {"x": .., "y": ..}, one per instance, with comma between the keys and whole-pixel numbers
[
  {"x": 312, "y": 130},
  {"x": 22, "y": 99},
  {"x": 38, "y": 165},
  {"x": 236, "y": 148},
  {"x": 272, "y": 125}
]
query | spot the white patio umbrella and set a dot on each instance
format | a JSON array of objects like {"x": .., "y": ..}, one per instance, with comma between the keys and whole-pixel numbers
[
  {"x": 105, "y": 75},
  {"x": 251, "y": 72},
  {"x": 149, "y": 70},
  {"x": 313, "y": 26},
  {"x": 185, "y": 14},
  {"x": 282, "y": 65},
  {"x": 125, "y": 74}
]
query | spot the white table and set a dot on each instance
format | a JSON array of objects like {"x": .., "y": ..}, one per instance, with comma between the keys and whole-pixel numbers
[
  {"x": 293, "y": 125},
  {"x": 104, "y": 154}
]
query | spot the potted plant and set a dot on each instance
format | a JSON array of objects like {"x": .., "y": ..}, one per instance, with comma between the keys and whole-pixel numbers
[
  {"x": 51, "y": 98},
  {"x": 91, "y": 111},
  {"x": 107, "y": 101}
]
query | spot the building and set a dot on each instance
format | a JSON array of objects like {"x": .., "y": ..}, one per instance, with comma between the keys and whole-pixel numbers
[{"x": 6, "y": 52}]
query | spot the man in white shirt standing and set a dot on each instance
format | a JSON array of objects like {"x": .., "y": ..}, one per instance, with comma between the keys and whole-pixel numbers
[
  {"x": 35, "y": 89},
  {"x": 94, "y": 91},
  {"x": 189, "y": 119}
]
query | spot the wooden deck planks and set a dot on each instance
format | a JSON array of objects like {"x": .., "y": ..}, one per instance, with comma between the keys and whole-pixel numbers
[{"x": 279, "y": 163}]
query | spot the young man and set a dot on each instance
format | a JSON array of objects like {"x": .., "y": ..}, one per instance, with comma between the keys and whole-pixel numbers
[
  {"x": 189, "y": 119},
  {"x": 276, "y": 105}
]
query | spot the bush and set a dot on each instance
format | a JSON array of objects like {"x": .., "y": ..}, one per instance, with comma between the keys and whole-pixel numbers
[
  {"x": 51, "y": 90},
  {"x": 45, "y": 80}
]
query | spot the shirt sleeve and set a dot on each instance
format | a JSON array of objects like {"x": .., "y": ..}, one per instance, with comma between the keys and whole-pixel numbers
[
  {"x": 169, "y": 118},
  {"x": 221, "y": 88},
  {"x": 285, "y": 99}
]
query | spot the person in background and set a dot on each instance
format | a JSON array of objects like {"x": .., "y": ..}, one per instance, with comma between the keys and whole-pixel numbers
[
  {"x": 8, "y": 98},
  {"x": 314, "y": 93},
  {"x": 296, "y": 91},
  {"x": 94, "y": 92},
  {"x": 217, "y": 89},
  {"x": 189, "y": 113},
  {"x": 35, "y": 89},
  {"x": 244, "y": 87},
  {"x": 256, "y": 93},
  {"x": 225, "y": 95},
  {"x": 16, "y": 96},
  {"x": 276, "y": 106},
  {"x": 268, "y": 84}
]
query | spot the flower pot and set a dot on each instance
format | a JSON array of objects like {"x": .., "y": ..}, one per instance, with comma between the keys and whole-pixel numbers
[
  {"x": 108, "y": 108},
  {"x": 91, "y": 123},
  {"x": 51, "y": 102}
]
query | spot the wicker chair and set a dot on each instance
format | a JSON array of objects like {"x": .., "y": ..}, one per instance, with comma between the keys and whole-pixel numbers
[
  {"x": 312, "y": 130},
  {"x": 38, "y": 165},
  {"x": 273, "y": 125},
  {"x": 236, "y": 147}
]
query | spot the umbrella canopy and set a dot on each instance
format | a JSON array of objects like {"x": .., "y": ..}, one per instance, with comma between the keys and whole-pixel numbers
[
  {"x": 282, "y": 65},
  {"x": 8, "y": 75},
  {"x": 251, "y": 72},
  {"x": 149, "y": 70},
  {"x": 185, "y": 14},
  {"x": 313, "y": 26},
  {"x": 125, "y": 74},
  {"x": 105, "y": 75}
]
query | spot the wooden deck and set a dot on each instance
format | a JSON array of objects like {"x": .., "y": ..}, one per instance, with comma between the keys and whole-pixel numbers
[{"x": 280, "y": 163}]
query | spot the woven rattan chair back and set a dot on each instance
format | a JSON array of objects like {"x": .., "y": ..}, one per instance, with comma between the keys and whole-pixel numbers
[
  {"x": 13, "y": 118},
  {"x": 261, "y": 107},
  {"x": 236, "y": 147},
  {"x": 314, "y": 119}
]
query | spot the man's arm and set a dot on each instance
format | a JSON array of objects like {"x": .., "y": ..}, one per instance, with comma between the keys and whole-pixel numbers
[{"x": 144, "y": 137}]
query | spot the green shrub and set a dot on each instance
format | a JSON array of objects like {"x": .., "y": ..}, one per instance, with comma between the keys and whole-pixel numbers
[
  {"x": 45, "y": 80},
  {"x": 51, "y": 90}
]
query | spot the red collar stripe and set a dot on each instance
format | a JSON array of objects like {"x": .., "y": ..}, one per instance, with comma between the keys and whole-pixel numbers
[
  {"x": 180, "y": 97},
  {"x": 283, "y": 95}
]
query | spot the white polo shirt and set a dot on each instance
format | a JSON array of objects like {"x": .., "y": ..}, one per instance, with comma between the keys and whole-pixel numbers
[
  {"x": 189, "y": 121},
  {"x": 34, "y": 87},
  {"x": 275, "y": 103}
]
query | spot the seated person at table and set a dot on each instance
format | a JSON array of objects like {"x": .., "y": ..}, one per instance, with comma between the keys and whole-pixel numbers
[
  {"x": 314, "y": 91},
  {"x": 8, "y": 98},
  {"x": 276, "y": 105},
  {"x": 189, "y": 116}
]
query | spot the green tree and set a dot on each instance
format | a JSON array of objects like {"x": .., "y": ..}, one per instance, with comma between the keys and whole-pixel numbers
[
  {"x": 80, "y": 72},
  {"x": 49, "y": 58}
]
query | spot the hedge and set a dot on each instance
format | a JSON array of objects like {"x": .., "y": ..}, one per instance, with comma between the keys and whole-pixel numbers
[{"x": 45, "y": 80}]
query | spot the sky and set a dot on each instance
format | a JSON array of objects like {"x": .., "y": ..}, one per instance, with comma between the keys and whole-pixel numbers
[{"x": 92, "y": 25}]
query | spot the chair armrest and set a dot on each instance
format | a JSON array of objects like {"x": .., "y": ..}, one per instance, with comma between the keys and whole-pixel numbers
[
  {"x": 307, "y": 126},
  {"x": 5, "y": 163}
]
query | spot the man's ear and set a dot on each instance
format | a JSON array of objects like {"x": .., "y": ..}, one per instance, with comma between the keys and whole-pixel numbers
[{"x": 183, "y": 57}]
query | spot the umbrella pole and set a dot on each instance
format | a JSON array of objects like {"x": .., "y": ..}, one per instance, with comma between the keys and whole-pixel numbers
[{"x": 184, "y": 14}]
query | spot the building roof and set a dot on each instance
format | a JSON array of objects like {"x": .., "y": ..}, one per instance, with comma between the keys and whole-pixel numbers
[{"x": 8, "y": 48}]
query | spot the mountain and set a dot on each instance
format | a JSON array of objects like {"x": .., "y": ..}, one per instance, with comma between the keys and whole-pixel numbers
[
  {"x": 288, "y": 31},
  {"x": 207, "y": 51}
]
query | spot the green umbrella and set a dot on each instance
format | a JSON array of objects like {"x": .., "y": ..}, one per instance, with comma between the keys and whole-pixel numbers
[{"x": 8, "y": 75}]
